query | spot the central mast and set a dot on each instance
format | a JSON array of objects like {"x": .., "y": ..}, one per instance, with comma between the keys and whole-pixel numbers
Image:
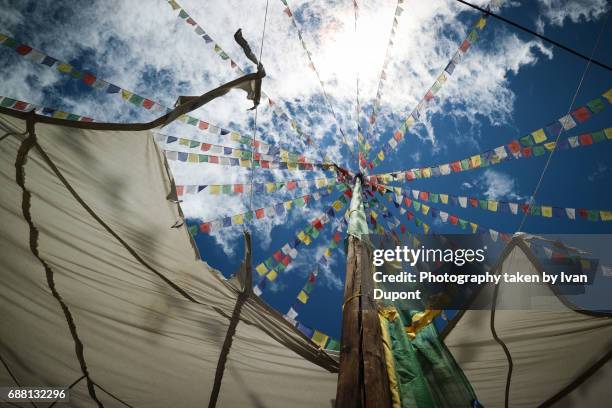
[{"x": 363, "y": 379}]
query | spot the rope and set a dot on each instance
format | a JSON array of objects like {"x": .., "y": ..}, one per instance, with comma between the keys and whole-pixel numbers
[
  {"x": 586, "y": 69},
  {"x": 349, "y": 299},
  {"x": 263, "y": 36}
]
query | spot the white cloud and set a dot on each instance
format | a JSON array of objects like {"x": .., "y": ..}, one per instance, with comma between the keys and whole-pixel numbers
[
  {"x": 497, "y": 185},
  {"x": 556, "y": 12}
]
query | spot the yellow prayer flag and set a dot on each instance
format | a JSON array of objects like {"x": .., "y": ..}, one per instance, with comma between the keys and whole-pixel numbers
[
  {"x": 214, "y": 189},
  {"x": 65, "y": 68},
  {"x": 373, "y": 214},
  {"x": 425, "y": 228},
  {"x": 238, "y": 219},
  {"x": 320, "y": 183},
  {"x": 234, "y": 136},
  {"x": 426, "y": 173},
  {"x": 492, "y": 205},
  {"x": 444, "y": 198},
  {"x": 3, "y": 37},
  {"x": 367, "y": 145},
  {"x": 193, "y": 158},
  {"x": 476, "y": 162},
  {"x": 184, "y": 142},
  {"x": 546, "y": 211},
  {"x": 606, "y": 215},
  {"x": 60, "y": 115},
  {"x": 301, "y": 236},
  {"x": 237, "y": 153},
  {"x": 270, "y": 187},
  {"x": 337, "y": 205},
  {"x": 302, "y": 296},
  {"x": 284, "y": 154},
  {"x": 442, "y": 78},
  {"x": 550, "y": 145},
  {"x": 608, "y": 132},
  {"x": 381, "y": 155},
  {"x": 320, "y": 339},
  {"x": 261, "y": 269},
  {"x": 474, "y": 227},
  {"x": 480, "y": 24},
  {"x": 292, "y": 166},
  {"x": 424, "y": 209},
  {"x": 328, "y": 252},
  {"x": 272, "y": 275},
  {"x": 125, "y": 94},
  {"x": 288, "y": 205},
  {"x": 183, "y": 118},
  {"x": 539, "y": 136},
  {"x": 245, "y": 163},
  {"x": 410, "y": 121},
  {"x": 307, "y": 240},
  {"x": 608, "y": 95}
]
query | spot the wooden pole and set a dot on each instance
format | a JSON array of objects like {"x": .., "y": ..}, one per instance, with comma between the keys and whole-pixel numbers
[{"x": 362, "y": 380}]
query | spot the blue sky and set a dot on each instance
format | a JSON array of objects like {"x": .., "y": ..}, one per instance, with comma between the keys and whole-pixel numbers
[{"x": 508, "y": 85}]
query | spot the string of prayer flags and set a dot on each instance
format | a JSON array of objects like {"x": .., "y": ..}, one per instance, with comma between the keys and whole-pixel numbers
[
  {"x": 511, "y": 151},
  {"x": 22, "y": 106},
  {"x": 224, "y": 56},
  {"x": 445, "y": 217},
  {"x": 272, "y": 211},
  {"x": 187, "y": 157},
  {"x": 92, "y": 81},
  {"x": 259, "y": 188},
  {"x": 364, "y": 146},
  {"x": 325, "y": 259},
  {"x": 289, "y": 14},
  {"x": 398, "y": 136},
  {"x": 284, "y": 155},
  {"x": 278, "y": 262},
  {"x": 506, "y": 207}
]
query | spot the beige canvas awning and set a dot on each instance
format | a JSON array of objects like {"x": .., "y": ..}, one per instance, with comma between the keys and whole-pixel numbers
[{"x": 99, "y": 289}]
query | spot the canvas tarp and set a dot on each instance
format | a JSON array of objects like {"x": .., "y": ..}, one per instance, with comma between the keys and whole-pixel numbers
[
  {"x": 553, "y": 347},
  {"x": 151, "y": 317}
]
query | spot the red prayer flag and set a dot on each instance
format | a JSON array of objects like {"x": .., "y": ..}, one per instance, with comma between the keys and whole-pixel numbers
[
  {"x": 291, "y": 185},
  {"x": 19, "y": 105},
  {"x": 311, "y": 277},
  {"x": 514, "y": 146},
  {"x": 429, "y": 96},
  {"x": 581, "y": 114},
  {"x": 424, "y": 195},
  {"x": 453, "y": 219},
  {"x": 203, "y": 125},
  {"x": 456, "y": 166},
  {"x": 213, "y": 159},
  {"x": 585, "y": 139},
  {"x": 205, "y": 227},
  {"x": 148, "y": 104},
  {"x": 583, "y": 213},
  {"x": 287, "y": 11},
  {"x": 179, "y": 190},
  {"x": 286, "y": 260},
  {"x": 238, "y": 188},
  {"x": 23, "y": 49},
  {"x": 524, "y": 208},
  {"x": 278, "y": 256},
  {"x": 473, "y": 202},
  {"x": 259, "y": 213},
  {"x": 88, "y": 78},
  {"x": 407, "y": 201},
  {"x": 337, "y": 237},
  {"x": 398, "y": 136},
  {"x": 409, "y": 215},
  {"x": 409, "y": 175},
  {"x": 527, "y": 152},
  {"x": 265, "y": 164},
  {"x": 317, "y": 224},
  {"x": 464, "y": 45},
  {"x": 205, "y": 147},
  {"x": 403, "y": 228}
]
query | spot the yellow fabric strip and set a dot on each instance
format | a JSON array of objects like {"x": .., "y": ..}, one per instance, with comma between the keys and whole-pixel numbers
[{"x": 396, "y": 401}]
